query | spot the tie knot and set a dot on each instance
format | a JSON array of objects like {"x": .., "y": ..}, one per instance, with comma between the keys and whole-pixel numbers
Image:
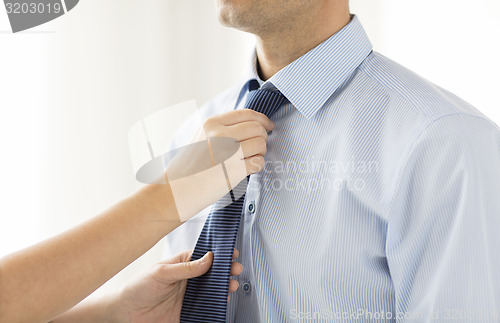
[{"x": 263, "y": 100}]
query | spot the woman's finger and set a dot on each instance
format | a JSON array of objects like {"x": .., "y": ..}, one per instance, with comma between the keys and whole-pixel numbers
[
  {"x": 254, "y": 146},
  {"x": 236, "y": 268},
  {"x": 237, "y": 116},
  {"x": 233, "y": 285}
]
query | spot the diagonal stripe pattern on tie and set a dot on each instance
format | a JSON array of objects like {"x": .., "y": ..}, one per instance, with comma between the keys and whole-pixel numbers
[{"x": 206, "y": 296}]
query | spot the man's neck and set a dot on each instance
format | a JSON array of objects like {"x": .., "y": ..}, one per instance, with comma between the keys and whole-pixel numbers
[{"x": 282, "y": 46}]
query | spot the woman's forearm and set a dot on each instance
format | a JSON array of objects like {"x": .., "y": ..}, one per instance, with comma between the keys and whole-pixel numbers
[
  {"x": 63, "y": 270},
  {"x": 105, "y": 309}
]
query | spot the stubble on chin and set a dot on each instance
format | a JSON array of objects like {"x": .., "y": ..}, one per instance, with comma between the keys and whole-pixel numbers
[
  {"x": 225, "y": 12},
  {"x": 242, "y": 15}
]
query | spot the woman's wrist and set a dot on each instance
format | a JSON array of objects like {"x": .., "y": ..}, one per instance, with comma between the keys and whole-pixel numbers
[
  {"x": 116, "y": 310},
  {"x": 107, "y": 309}
]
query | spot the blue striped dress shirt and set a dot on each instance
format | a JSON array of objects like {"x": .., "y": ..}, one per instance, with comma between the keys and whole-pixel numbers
[{"x": 379, "y": 201}]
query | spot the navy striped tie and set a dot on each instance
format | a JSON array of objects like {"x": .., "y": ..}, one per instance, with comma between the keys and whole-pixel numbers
[{"x": 206, "y": 296}]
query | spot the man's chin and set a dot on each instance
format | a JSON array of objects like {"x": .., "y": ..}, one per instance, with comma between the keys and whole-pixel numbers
[
  {"x": 224, "y": 20},
  {"x": 231, "y": 13},
  {"x": 232, "y": 21},
  {"x": 227, "y": 20}
]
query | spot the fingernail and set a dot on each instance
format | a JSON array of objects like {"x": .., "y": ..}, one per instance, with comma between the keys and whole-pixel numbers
[{"x": 204, "y": 259}]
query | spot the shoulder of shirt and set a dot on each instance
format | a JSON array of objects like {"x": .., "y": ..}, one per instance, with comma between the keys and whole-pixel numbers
[
  {"x": 429, "y": 100},
  {"x": 439, "y": 117}
]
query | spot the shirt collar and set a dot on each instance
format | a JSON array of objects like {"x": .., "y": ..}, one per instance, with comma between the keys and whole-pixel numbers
[{"x": 311, "y": 79}]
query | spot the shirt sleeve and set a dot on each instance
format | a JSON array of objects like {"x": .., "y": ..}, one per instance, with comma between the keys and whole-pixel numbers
[{"x": 443, "y": 234}]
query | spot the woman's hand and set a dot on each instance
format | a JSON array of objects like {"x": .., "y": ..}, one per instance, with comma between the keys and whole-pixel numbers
[
  {"x": 157, "y": 296},
  {"x": 230, "y": 147}
]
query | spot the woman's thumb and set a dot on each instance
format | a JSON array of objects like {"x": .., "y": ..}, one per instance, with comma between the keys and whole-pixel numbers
[{"x": 185, "y": 270}]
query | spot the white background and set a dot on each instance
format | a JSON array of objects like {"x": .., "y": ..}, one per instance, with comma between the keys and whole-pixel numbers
[{"x": 70, "y": 90}]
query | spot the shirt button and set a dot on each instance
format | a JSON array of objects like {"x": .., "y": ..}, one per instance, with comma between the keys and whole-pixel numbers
[
  {"x": 251, "y": 207},
  {"x": 246, "y": 287}
]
